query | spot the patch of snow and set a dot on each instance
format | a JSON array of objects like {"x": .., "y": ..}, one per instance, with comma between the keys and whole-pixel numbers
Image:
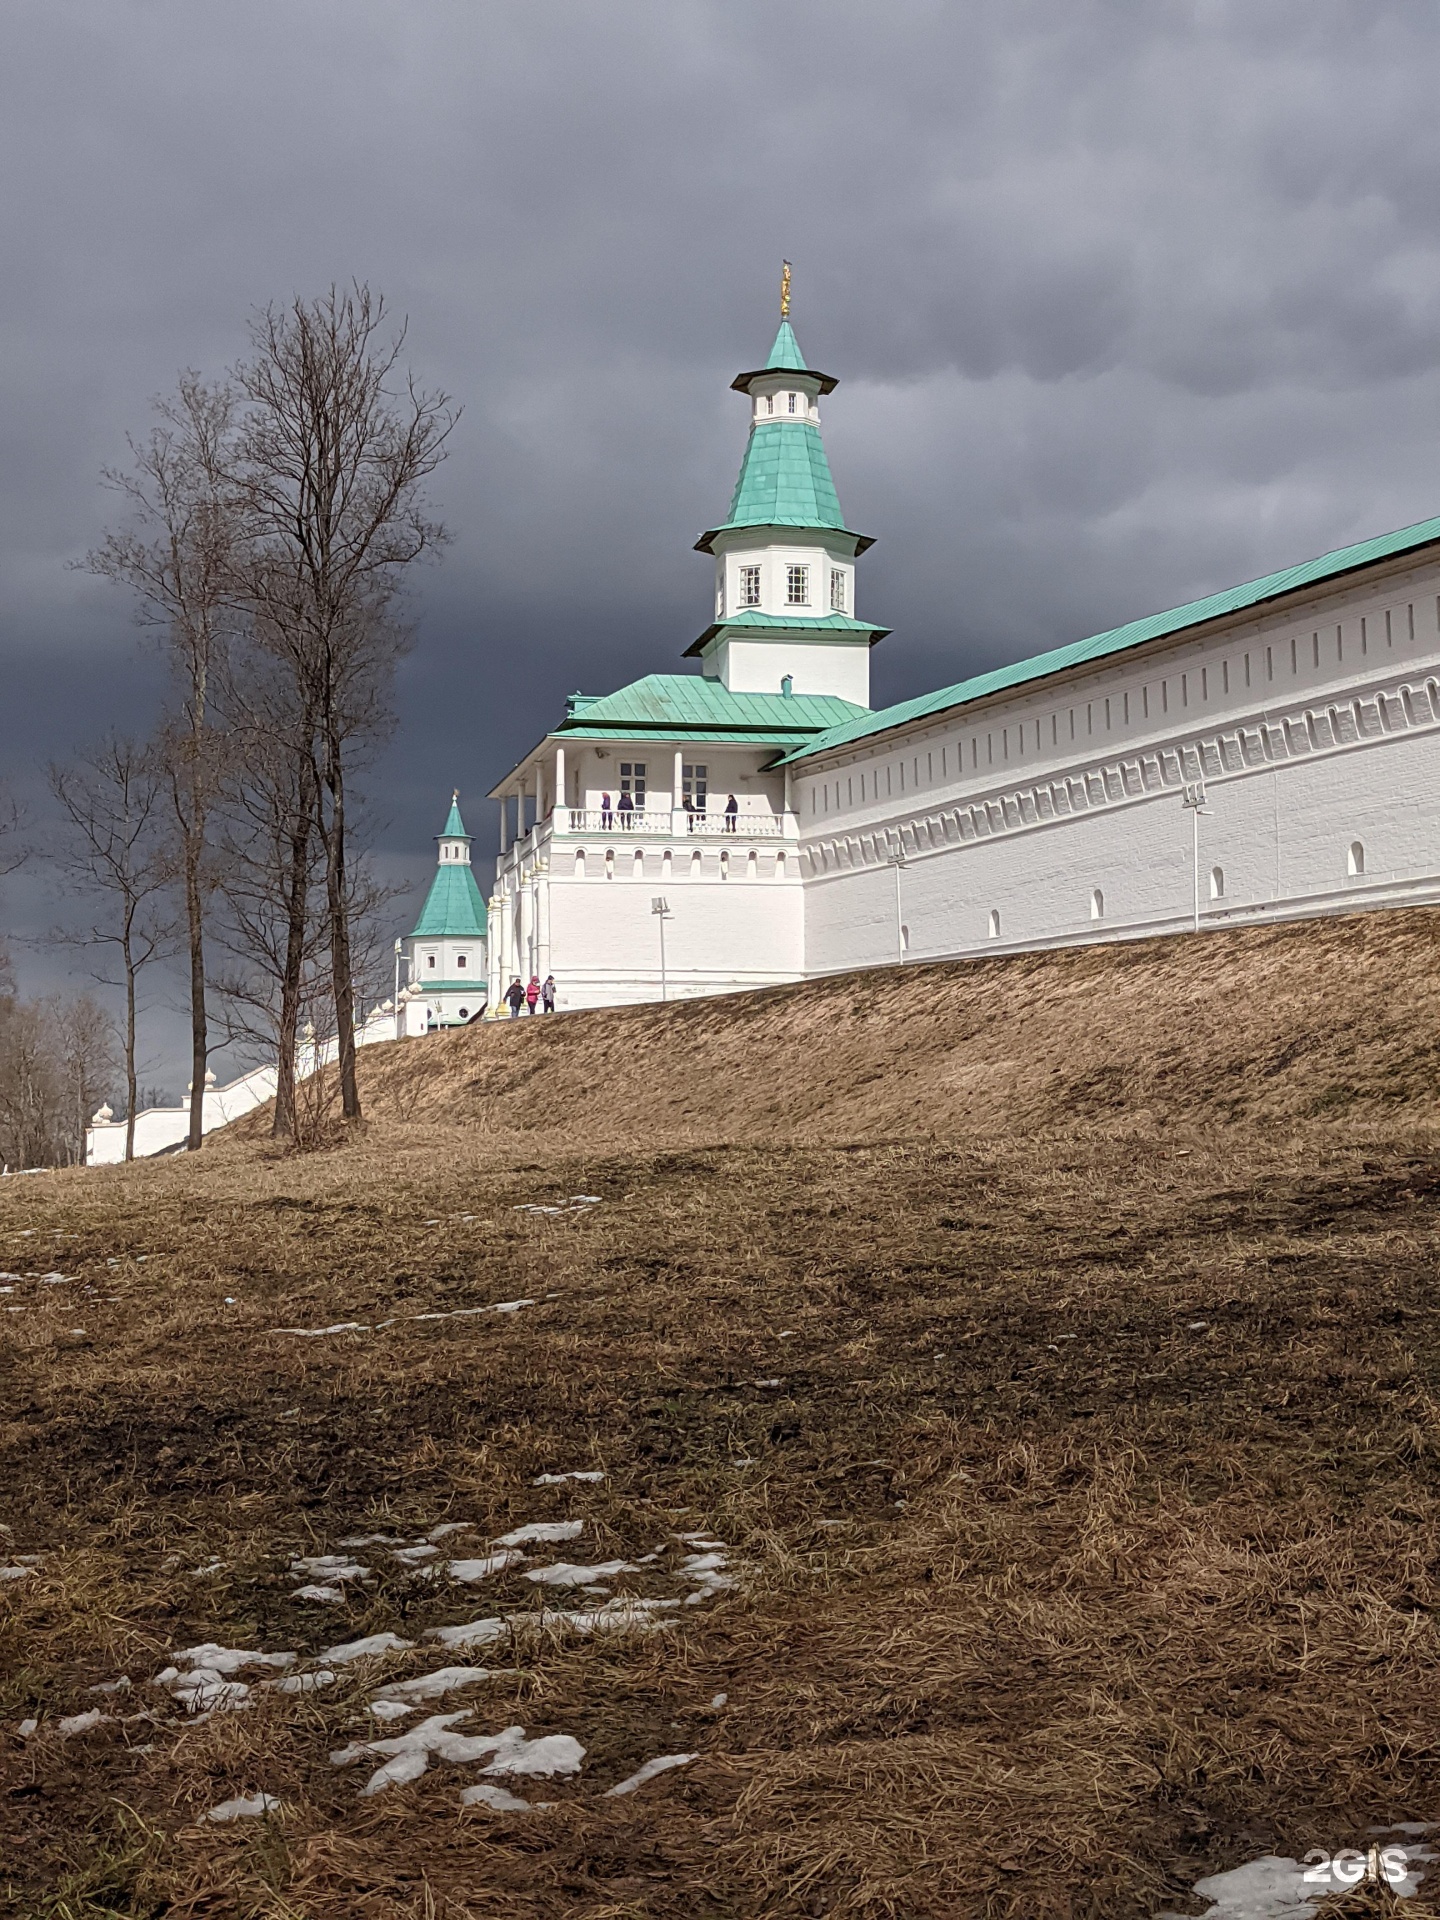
[
  {"x": 26, "y": 1728},
  {"x": 471, "y": 1570},
  {"x": 1277, "y": 1888},
  {"x": 316, "y": 1333},
  {"x": 542, "y": 1533},
  {"x": 122, "y": 1685},
  {"x": 368, "y": 1649},
  {"x": 717, "y": 1701},
  {"x": 565, "y": 1573},
  {"x": 496, "y": 1798},
  {"x": 371, "y": 1539},
  {"x": 390, "y": 1709},
  {"x": 245, "y": 1806},
  {"x": 307, "y": 1682},
  {"x": 409, "y": 1753},
  {"x": 330, "y": 1566},
  {"x": 473, "y": 1633},
  {"x": 430, "y": 1686},
  {"x": 768, "y": 1383},
  {"x": 413, "y": 1556},
  {"x": 55, "y": 1280},
  {"x": 15, "y": 1573},
  {"x": 447, "y": 1527},
  {"x": 559, "y": 1479},
  {"x": 648, "y": 1772},
  {"x": 204, "y": 1683},
  {"x": 329, "y": 1596},
  {"x": 82, "y": 1722}
]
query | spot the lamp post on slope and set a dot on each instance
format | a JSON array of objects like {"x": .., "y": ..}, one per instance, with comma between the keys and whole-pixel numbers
[
  {"x": 1193, "y": 800},
  {"x": 897, "y": 861},
  {"x": 660, "y": 907},
  {"x": 398, "y": 945}
]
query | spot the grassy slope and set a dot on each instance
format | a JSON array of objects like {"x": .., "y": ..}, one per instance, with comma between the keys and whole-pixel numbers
[{"x": 1091, "y": 1537}]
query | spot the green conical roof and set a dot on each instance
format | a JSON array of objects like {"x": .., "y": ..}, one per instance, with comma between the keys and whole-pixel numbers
[
  {"x": 454, "y": 827},
  {"x": 786, "y": 350}
]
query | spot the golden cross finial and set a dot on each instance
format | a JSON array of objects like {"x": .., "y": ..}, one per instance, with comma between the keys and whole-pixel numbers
[{"x": 784, "y": 289}]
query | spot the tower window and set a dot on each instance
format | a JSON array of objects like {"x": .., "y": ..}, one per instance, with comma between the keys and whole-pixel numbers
[
  {"x": 1356, "y": 861},
  {"x": 793, "y": 400},
  {"x": 837, "y": 590},
  {"x": 460, "y": 960},
  {"x": 769, "y": 403},
  {"x": 1097, "y": 905},
  {"x": 797, "y": 586},
  {"x": 1217, "y": 883},
  {"x": 749, "y": 586},
  {"x": 430, "y": 961},
  {"x": 994, "y": 923}
]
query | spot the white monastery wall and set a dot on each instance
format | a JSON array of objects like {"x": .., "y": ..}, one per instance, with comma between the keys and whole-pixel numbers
[{"x": 1315, "y": 728}]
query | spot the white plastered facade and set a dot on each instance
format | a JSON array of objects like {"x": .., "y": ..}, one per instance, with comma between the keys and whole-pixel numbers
[{"x": 1055, "y": 813}]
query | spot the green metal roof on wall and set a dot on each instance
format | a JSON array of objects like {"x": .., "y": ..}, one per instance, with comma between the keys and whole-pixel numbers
[
  {"x": 454, "y": 907},
  {"x": 683, "y": 702},
  {"x": 1155, "y": 626}
]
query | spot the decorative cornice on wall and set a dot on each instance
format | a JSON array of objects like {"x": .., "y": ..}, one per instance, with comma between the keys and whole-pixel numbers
[{"x": 1230, "y": 753}]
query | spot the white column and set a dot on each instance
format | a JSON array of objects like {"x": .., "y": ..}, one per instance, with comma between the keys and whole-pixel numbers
[
  {"x": 561, "y": 803},
  {"x": 544, "y": 964},
  {"x": 677, "y": 797},
  {"x": 504, "y": 821},
  {"x": 526, "y": 955},
  {"x": 539, "y": 791}
]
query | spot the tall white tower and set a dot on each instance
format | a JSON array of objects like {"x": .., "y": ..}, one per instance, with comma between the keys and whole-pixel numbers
[{"x": 784, "y": 558}]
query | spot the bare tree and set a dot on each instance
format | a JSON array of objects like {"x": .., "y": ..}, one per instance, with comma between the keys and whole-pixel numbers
[
  {"x": 110, "y": 851},
  {"x": 335, "y": 448},
  {"x": 84, "y": 1042},
  {"x": 56, "y": 1065},
  {"x": 178, "y": 556}
]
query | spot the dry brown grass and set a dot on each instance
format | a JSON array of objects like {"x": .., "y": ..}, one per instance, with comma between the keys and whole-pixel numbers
[{"x": 1056, "y": 1599}]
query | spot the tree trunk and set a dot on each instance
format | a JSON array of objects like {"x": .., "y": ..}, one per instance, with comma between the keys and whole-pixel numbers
[
  {"x": 338, "y": 908},
  {"x": 130, "y": 1088},
  {"x": 199, "y": 1036},
  {"x": 292, "y": 981}
]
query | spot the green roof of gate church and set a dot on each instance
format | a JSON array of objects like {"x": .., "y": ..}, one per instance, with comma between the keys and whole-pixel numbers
[{"x": 454, "y": 907}]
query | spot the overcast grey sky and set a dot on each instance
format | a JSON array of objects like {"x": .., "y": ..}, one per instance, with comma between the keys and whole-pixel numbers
[{"x": 1129, "y": 300}]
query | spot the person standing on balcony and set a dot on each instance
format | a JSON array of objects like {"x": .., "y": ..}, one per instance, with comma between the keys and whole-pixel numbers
[
  {"x": 606, "y": 814},
  {"x": 627, "y": 810},
  {"x": 547, "y": 994},
  {"x": 532, "y": 992},
  {"x": 515, "y": 994},
  {"x": 732, "y": 809}
]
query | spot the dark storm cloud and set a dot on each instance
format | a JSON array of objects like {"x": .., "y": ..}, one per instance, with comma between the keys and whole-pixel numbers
[{"x": 1129, "y": 299}]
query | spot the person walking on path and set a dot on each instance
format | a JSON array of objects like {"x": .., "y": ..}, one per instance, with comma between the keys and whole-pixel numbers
[
  {"x": 532, "y": 992},
  {"x": 732, "y": 808},
  {"x": 547, "y": 993},
  {"x": 515, "y": 994}
]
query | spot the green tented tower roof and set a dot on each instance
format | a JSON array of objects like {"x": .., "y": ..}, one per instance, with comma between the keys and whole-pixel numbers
[
  {"x": 784, "y": 477},
  {"x": 454, "y": 907}
]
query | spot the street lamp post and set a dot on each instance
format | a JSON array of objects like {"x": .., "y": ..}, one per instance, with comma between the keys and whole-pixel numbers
[
  {"x": 897, "y": 861},
  {"x": 398, "y": 945},
  {"x": 660, "y": 907},
  {"x": 1193, "y": 800}
]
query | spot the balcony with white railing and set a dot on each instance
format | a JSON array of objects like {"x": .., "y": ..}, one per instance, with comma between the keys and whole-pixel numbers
[{"x": 682, "y": 823}]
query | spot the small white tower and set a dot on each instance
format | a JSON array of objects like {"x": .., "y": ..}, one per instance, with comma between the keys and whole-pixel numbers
[{"x": 448, "y": 967}]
